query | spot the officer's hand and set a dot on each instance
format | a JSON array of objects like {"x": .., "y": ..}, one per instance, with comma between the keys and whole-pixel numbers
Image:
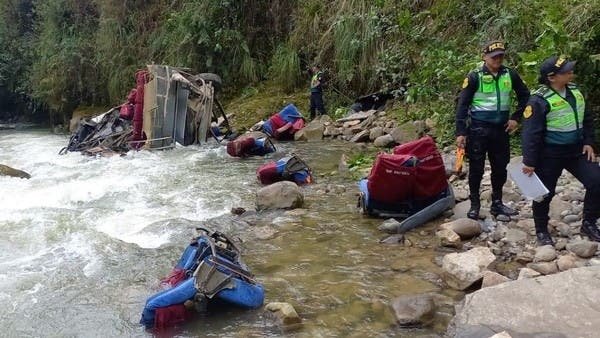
[
  {"x": 589, "y": 151},
  {"x": 461, "y": 141},
  {"x": 528, "y": 170},
  {"x": 511, "y": 126}
]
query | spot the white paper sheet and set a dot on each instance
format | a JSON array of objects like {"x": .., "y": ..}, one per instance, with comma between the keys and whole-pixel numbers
[{"x": 531, "y": 186}]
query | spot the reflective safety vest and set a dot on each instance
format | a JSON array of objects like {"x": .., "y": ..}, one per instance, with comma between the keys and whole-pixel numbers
[
  {"x": 314, "y": 85},
  {"x": 564, "y": 122},
  {"x": 492, "y": 101}
]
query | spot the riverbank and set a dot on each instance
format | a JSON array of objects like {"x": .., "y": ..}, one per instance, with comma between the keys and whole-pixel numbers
[{"x": 471, "y": 255}]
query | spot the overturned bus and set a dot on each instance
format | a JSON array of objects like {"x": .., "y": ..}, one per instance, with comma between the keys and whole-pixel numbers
[{"x": 168, "y": 106}]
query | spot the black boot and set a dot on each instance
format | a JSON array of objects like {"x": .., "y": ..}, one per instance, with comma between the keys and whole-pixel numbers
[
  {"x": 590, "y": 229},
  {"x": 474, "y": 210},
  {"x": 498, "y": 208},
  {"x": 544, "y": 238}
]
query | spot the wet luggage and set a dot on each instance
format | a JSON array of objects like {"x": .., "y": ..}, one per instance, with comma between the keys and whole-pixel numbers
[
  {"x": 410, "y": 183},
  {"x": 284, "y": 124},
  {"x": 245, "y": 146},
  {"x": 290, "y": 168},
  {"x": 209, "y": 270}
]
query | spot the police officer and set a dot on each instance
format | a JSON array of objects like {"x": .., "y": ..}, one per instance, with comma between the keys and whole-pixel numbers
[
  {"x": 316, "y": 92},
  {"x": 558, "y": 134},
  {"x": 483, "y": 123}
]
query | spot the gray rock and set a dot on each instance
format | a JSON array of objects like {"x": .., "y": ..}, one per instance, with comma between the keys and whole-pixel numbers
[
  {"x": 545, "y": 268},
  {"x": 491, "y": 278},
  {"x": 560, "y": 244},
  {"x": 285, "y": 312},
  {"x": 515, "y": 236},
  {"x": 8, "y": 171},
  {"x": 312, "y": 131},
  {"x": 566, "y": 262},
  {"x": 565, "y": 306},
  {"x": 280, "y": 195},
  {"x": 571, "y": 218},
  {"x": 389, "y": 224},
  {"x": 461, "y": 270},
  {"x": 375, "y": 133},
  {"x": 448, "y": 238},
  {"x": 460, "y": 209},
  {"x": 526, "y": 224},
  {"x": 394, "y": 239},
  {"x": 362, "y": 136},
  {"x": 384, "y": 141},
  {"x": 415, "y": 310},
  {"x": 405, "y": 133},
  {"x": 357, "y": 116},
  {"x": 545, "y": 253},
  {"x": 466, "y": 228},
  {"x": 583, "y": 248},
  {"x": 528, "y": 273},
  {"x": 557, "y": 206},
  {"x": 563, "y": 229}
]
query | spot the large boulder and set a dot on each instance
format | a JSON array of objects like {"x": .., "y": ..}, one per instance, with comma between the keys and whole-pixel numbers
[
  {"x": 560, "y": 305},
  {"x": 461, "y": 270},
  {"x": 312, "y": 131},
  {"x": 280, "y": 195},
  {"x": 8, "y": 171}
]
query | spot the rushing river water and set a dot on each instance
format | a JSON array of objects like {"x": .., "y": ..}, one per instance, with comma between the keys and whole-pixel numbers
[{"x": 85, "y": 241}]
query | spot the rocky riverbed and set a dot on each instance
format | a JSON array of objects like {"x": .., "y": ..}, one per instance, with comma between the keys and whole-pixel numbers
[{"x": 492, "y": 251}]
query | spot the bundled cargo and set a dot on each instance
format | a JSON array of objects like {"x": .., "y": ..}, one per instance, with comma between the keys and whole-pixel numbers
[
  {"x": 210, "y": 270},
  {"x": 284, "y": 124},
  {"x": 251, "y": 144},
  {"x": 410, "y": 183},
  {"x": 290, "y": 168}
]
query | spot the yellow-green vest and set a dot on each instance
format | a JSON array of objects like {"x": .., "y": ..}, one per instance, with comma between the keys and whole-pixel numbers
[
  {"x": 314, "y": 87},
  {"x": 491, "y": 102},
  {"x": 564, "y": 123}
]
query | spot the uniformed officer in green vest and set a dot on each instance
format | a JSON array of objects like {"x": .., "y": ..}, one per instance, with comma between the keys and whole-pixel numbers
[
  {"x": 484, "y": 121},
  {"x": 316, "y": 92},
  {"x": 558, "y": 133}
]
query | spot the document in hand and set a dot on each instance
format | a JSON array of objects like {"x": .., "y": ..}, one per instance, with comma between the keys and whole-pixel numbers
[{"x": 531, "y": 187}]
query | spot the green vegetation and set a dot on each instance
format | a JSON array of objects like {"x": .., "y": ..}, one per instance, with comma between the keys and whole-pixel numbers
[{"x": 57, "y": 55}]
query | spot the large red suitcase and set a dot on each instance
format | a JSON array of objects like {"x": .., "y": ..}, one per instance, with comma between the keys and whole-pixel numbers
[
  {"x": 392, "y": 178},
  {"x": 430, "y": 175},
  {"x": 267, "y": 173}
]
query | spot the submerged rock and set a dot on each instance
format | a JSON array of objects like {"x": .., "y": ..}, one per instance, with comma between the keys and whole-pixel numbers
[
  {"x": 8, "y": 171},
  {"x": 285, "y": 313},
  {"x": 417, "y": 310}
]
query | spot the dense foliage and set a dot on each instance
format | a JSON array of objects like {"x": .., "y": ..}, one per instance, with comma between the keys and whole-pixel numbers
[{"x": 56, "y": 55}]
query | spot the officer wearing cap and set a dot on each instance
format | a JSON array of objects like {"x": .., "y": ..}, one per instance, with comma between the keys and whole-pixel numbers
[
  {"x": 558, "y": 133},
  {"x": 483, "y": 123},
  {"x": 316, "y": 92}
]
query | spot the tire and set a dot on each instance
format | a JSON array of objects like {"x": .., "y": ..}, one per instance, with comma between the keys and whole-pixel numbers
[{"x": 211, "y": 78}]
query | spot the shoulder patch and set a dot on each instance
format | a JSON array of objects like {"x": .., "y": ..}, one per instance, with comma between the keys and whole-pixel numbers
[
  {"x": 465, "y": 82},
  {"x": 527, "y": 112}
]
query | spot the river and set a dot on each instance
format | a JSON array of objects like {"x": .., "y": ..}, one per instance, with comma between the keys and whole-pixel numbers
[{"x": 86, "y": 240}]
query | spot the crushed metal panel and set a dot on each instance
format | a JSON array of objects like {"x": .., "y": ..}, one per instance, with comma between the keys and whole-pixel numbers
[{"x": 181, "y": 102}]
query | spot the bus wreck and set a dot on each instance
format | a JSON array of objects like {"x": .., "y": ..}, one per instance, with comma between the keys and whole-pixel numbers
[{"x": 168, "y": 106}]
